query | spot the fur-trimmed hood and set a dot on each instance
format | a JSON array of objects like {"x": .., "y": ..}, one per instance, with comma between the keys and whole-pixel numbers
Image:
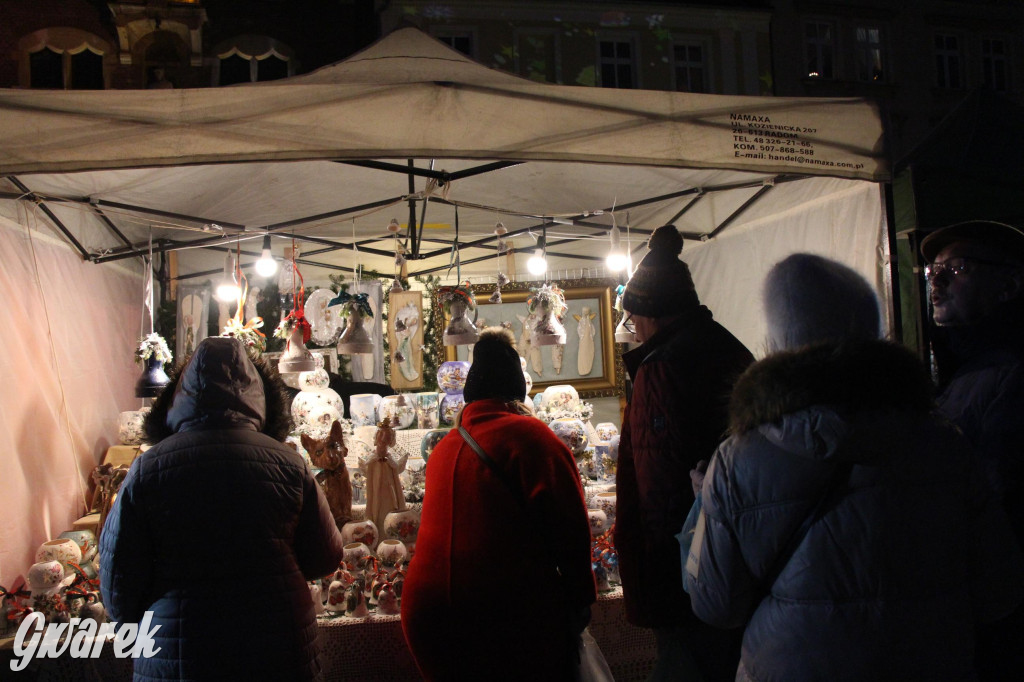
[
  {"x": 219, "y": 386},
  {"x": 851, "y": 378}
]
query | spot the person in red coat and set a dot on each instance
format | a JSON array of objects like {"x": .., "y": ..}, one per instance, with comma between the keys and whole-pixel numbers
[
  {"x": 500, "y": 586},
  {"x": 677, "y": 414}
]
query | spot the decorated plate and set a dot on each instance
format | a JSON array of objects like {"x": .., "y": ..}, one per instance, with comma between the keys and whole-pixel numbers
[{"x": 324, "y": 320}]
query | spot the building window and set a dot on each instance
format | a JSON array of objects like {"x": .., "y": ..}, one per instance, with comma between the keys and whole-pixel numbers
[
  {"x": 819, "y": 49},
  {"x": 251, "y": 59},
  {"x": 948, "y": 61},
  {"x": 869, "y": 54},
  {"x": 537, "y": 56},
  {"x": 691, "y": 69},
  {"x": 460, "y": 42},
  {"x": 993, "y": 64},
  {"x": 65, "y": 69},
  {"x": 617, "y": 64}
]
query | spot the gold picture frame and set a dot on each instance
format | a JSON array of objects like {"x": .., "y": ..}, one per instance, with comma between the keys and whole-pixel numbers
[{"x": 607, "y": 376}]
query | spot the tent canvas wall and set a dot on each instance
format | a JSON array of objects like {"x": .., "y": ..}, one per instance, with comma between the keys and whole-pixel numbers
[{"x": 409, "y": 129}]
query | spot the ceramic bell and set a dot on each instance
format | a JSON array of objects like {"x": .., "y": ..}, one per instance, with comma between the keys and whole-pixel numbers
[
  {"x": 336, "y": 597},
  {"x": 355, "y": 340},
  {"x": 460, "y": 330},
  {"x": 623, "y": 335},
  {"x": 153, "y": 379},
  {"x": 296, "y": 357}
]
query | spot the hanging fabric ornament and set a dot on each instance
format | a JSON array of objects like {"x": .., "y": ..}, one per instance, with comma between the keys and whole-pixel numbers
[
  {"x": 396, "y": 286},
  {"x": 355, "y": 340},
  {"x": 248, "y": 333},
  {"x": 297, "y": 330},
  {"x": 457, "y": 300},
  {"x": 394, "y": 227},
  {"x": 548, "y": 304},
  {"x": 496, "y": 296},
  {"x": 502, "y": 279}
]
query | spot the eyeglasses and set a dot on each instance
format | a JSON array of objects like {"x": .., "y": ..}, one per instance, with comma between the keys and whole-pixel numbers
[{"x": 957, "y": 267}]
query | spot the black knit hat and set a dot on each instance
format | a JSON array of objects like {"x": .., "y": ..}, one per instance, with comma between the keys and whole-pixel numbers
[
  {"x": 661, "y": 284},
  {"x": 496, "y": 371}
]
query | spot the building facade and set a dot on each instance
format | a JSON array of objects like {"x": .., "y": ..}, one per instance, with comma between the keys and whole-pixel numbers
[{"x": 918, "y": 58}]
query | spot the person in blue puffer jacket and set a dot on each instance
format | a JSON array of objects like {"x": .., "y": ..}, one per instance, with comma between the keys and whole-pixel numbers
[
  {"x": 217, "y": 528},
  {"x": 843, "y": 522}
]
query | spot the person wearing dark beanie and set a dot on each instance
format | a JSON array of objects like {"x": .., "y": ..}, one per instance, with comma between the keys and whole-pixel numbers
[
  {"x": 682, "y": 376},
  {"x": 503, "y": 525},
  {"x": 496, "y": 371}
]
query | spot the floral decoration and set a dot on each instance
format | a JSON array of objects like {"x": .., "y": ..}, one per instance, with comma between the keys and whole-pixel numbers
[
  {"x": 153, "y": 346},
  {"x": 549, "y": 297},
  {"x": 451, "y": 294}
]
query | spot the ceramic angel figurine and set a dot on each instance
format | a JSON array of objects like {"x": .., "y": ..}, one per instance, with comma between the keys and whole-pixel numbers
[
  {"x": 557, "y": 353},
  {"x": 585, "y": 329},
  {"x": 383, "y": 488}
]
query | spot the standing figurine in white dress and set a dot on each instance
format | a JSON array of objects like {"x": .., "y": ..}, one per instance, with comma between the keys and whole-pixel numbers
[
  {"x": 383, "y": 488},
  {"x": 585, "y": 328},
  {"x": 526, "y": 349}
]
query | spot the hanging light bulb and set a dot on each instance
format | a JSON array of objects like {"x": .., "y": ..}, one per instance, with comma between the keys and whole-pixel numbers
[
  {"x": 618, "y": 259},
  {"x": 537, "y": 264},
  {"x": 228, "y": 290},
  {"x": 266, "y": 266}
]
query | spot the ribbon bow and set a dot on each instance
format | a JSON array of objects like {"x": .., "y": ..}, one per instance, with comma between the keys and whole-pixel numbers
[
  {"x": 361, "y": 301},
  {"x": 297, "y": 318}
]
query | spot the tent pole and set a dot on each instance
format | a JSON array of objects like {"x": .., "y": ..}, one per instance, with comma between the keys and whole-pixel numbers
[
  {"x": 739, "y": 211},
  {"x": 894, "y": 271},
  {"x": 414, "y": 246},
  {"x": 29, "y": 194},
  {"x": 330, "y": 214}
]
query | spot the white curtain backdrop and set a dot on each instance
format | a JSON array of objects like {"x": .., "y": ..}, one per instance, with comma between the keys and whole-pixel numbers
[
  {"x": 835, "y": 218},
  {"x": 65, "y": 376}
]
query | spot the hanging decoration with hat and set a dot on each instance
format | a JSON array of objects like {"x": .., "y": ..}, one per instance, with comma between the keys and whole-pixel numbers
[
  {"x": 296, "y": 329},
  {"x": 548, "y": 305},
  {"x": 622, "y": 333},
  {"x": 457, "y": 301},
  {"x": 153, "y": 349},
  {"x": 355, "y": 308},
  {"x": 248, "y": 333},
  {"x": 355, "y": 340}
]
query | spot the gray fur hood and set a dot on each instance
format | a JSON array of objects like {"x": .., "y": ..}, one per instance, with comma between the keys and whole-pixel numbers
[{"x": 812, "y": 400}]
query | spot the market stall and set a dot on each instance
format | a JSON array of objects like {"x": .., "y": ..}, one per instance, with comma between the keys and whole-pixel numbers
[{"x": 480, "y": 169}]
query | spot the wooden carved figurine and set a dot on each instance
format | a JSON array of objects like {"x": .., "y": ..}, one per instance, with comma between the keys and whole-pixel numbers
[{"x": 329, "y": 455}]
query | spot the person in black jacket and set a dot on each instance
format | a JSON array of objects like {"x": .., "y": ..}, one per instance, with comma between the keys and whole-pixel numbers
[
  {"x": 976, "y": 276},
  {"x": 217, "y": 528},
  {"x": 677, "y": 415}
]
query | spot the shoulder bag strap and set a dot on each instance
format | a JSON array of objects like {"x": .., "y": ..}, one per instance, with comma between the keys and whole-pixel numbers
[{"x": 493, "y": 466}]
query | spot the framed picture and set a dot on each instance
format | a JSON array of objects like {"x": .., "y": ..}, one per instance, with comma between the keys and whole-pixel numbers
[
  {"x": 588, "y": 361},
  {"x": 405, "y": 339}
]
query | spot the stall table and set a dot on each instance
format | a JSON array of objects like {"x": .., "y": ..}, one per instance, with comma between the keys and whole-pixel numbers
[{"x": 374, "y": 649}]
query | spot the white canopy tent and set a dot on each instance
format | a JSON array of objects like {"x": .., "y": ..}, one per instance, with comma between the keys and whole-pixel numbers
[{"x": 408, "y": 129}]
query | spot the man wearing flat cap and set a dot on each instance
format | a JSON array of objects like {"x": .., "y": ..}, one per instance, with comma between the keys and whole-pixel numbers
[
  {"x": 677, "y": 414},
  {"x": 976, "y": 275}
]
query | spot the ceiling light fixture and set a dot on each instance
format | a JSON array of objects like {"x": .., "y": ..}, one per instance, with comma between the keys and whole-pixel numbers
[{"x": 266, "y": 266}]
